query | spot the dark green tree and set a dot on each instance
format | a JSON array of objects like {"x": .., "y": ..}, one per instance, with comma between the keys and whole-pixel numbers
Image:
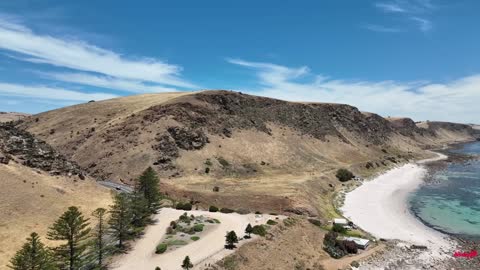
[
  {"x": 140, "y": 211},
  {"x": 148, "y": 185},
  {"x": 33, "y": 256},
  {"x": 120, "y": 218},
  {"x": 249, "y": 230},
  {"x": 231, "y": 239},
  {"x": 187, "y": 264},
  {"x": 100, "y": 232},
  {"x": 71, "y": 227},
  {"x": 344, "y": 175}
]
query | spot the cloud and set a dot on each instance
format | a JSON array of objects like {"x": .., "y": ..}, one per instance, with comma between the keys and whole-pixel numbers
[
  {"x": 380, "y": 28},
  {"x": 413, "y": 10},
  {"x": 82, "y": 56},
  {"x": 49, "y": 93},
  {"x": 106, "y": 82},
  {"x": 454, "y": 101},
  {"x": 423, "y": 24},
  {"x": 390, "y": 7}
]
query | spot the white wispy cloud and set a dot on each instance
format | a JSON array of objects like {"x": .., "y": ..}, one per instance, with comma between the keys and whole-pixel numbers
[
  {"x": 106, "y": 82},
  {"x": 413, "y": 10},
  {"x": 82, "y": 56},
  {"x": 49, "y": 93},
  {"x": 423, "y": 24},
  {"x": 390, "y": 7},
  {"x": 380, "y": 28},
  {"x": 454, "y": 101}
]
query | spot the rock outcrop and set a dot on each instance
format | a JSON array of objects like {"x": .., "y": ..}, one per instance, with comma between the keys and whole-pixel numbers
[{"x": 32, "y": 152}]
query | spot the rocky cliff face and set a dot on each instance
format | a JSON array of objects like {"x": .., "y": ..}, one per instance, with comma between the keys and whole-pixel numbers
[{"x": 22, "y": 146}]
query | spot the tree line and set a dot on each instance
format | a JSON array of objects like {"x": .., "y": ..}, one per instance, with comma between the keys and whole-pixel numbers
[{"x": 82, "y": 246}]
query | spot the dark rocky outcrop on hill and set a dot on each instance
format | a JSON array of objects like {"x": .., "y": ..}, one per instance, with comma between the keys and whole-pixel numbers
[
  {"x": 22, "y": 146},
  {"x": 409, "y": 128},
  {"x": 222, "y": 112}
]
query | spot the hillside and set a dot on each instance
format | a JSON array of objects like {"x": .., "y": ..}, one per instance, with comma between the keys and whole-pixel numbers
[
  {"x": 11, "y": 116},
  {"x": 38, "y": 185},
  {"x": 263, "y": 154}
]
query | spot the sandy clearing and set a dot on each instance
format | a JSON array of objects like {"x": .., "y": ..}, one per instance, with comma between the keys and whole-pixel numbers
[
  {"x": 208, "y": 249},
  {"x": 380, "y": 207}
]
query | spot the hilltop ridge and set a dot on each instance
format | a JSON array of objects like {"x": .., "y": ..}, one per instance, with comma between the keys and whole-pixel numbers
[{"x": 247, "y": 145}]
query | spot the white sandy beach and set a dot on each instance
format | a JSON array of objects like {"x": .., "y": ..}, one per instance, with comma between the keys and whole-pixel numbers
[
  {"x": 380, "y": 207},
  {"x": 208, "y": 249}
]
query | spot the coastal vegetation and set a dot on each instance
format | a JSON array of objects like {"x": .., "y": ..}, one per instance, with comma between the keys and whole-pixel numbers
[
  {"x": 344, "y": 175},
  {"x": 81, "y": 247}
]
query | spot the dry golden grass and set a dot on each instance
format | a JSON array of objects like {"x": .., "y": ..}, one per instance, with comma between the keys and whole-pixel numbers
[
  {"x": 11, "y": 116},
  {"x": 31, "y": 202}
]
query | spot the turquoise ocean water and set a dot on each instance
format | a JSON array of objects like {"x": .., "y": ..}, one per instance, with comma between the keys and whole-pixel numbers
[{"x": 451, "y": 202}]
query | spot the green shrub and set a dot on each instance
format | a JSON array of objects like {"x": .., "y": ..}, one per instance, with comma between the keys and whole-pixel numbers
[
  {"x": 339, "y": 228},
  {"x": 223, "y": 162},
  {"x": 195, "y": 238},
  {"x": 184, "y": 206},
  {"x": 271, "y": 222},
  {"x": 355, "y": 264},
  {"x": 216, "y": 221},
  {"x": 213, "y": 208},
  {"x": 208, "y": 162},
  {"x": 259, "y": 230},
  {"x": 184, "y": 218},
  {"x": 315, "y": 222},
  {"x": 344, "y": 175},
  {"x": 187, "y": 207},
  {"x": 227, "y": 210},
  {"x": 198, "y": 227},
  {"x": 161, "y": 248}
]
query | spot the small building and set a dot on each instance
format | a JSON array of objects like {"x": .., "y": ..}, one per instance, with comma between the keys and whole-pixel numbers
[
  {"x": 340, "y": 221},
  {"x": 360, "y": 242}
]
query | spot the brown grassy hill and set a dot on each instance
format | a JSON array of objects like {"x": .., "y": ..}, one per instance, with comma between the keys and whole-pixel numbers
[
  {"x": 263, "y": 153},
  {"x": 11, "y": 116},
  {"x": 38, "y": 185},
  {"x": 31, "y": 200}
]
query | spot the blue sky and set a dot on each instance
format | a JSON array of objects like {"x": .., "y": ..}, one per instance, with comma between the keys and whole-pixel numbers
[{"x": 416, "y": 58}]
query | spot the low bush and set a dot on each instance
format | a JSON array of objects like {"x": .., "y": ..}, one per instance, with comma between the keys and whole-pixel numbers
[
  {"x": 195, "y": 238},
  {"x": 355, "y": 264},
  {"x": 315, "y": 222},
  {"x": 213, "y": 208},
  {"x": 271, "y": 222},
  {"x": 184, "y": 206},
  {"x": 198, "y": 227},
  {"x": 161, "y": 248},
  {"x": 350, "y": 247},
  {"x": 344, "y": 175},
  {"x": 339, "y": 228},
  {"x": 259, "y": 230},
  {"x": 227, "y": 210}
]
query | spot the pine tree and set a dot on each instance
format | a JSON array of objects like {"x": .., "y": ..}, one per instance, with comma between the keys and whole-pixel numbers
[
  {"x": 33, "y": 256},
  {"x": 231, "y": 239},
  {"x": 120, "y": 218},
  {"x": 73, "y": 228},
  {"x": 249, "y": 230},
  {"x": 148, "y": 185},
  {"x": 100, "y": 232},
  {"x": 139, "y": 208},
  {"x": 187, "y": 264}
]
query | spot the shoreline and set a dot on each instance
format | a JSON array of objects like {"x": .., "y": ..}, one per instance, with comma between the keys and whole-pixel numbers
[{"x": 381, "y": 207}]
